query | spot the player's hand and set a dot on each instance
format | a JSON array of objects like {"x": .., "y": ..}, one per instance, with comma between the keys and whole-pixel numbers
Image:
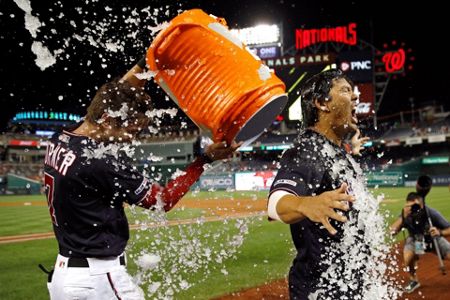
[
  {"x": 322, "y": 207},
  {"x": 434, "y": 231},
  {"x": 221, "y": 150},
  {"x": 358, "y": 142}
]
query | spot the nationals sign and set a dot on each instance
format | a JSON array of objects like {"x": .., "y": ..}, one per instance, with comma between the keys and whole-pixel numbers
[{"x": 340, "y": 34}]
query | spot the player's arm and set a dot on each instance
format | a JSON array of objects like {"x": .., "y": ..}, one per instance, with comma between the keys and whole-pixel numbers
[
  {"x": 396, "y": 226},
  {"x": 441, "y": 227},
  {"x": 130, "y": 76},
  {"x": 445, "y": 232},
  {"x": 290, "y": 208},
  {"x": 434, "y": 231},
  {"x": 178, "y": 187}
]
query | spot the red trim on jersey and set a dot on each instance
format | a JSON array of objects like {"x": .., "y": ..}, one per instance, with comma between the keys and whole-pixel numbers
[{"x": 175, "y": 189}]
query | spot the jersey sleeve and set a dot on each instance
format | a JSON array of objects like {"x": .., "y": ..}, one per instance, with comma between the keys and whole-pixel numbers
[
  {"x": 297, "y": 175},
  {"x": 175, "y": 189},
  {"x": 128, "y": 185}
]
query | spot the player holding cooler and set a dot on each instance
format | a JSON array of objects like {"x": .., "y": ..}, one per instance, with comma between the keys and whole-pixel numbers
[{"x": 87, "y": 186}]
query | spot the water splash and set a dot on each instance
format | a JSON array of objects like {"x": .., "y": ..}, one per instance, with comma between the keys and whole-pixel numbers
[
  {"x": 367, "y": 258},
  {"x": 181, "y": 251}
]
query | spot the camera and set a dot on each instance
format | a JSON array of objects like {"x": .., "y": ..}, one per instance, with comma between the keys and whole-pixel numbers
[
  {"x": 415, "y": 209},
  {"x": 418, "y": 218}
]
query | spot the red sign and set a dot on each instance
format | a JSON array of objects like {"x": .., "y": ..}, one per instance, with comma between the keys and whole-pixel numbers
[
  {"x": 24, "y": 143},
  {"x": 341, "y": 34},
  {"x": 394, "y": 61},
  {"x": 366, "y": 99}
]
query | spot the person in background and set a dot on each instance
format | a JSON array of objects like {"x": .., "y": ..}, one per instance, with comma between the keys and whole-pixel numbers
[{"x": 414, "y": 218}]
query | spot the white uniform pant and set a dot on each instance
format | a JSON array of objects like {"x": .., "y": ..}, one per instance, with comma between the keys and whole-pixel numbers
[{"x": 103, "y": 279}]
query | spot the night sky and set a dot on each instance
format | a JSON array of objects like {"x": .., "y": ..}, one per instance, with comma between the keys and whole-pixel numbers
[{"x": 69, "y": 84}]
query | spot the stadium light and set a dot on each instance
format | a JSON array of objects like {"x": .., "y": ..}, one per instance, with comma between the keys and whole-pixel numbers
[{"x": 258, "y": 35}]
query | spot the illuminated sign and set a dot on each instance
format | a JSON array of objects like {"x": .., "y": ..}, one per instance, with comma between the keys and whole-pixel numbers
[
  {"x": 394, "y": 61},
  {"x": 46, "y": 133},
  {"x": 291, "y": 61},
  {"x": 341, "y": 34},
  {"x": 245, "y": 149},
  {"x": 24, "y": 143},
  {"x": 45, "y": 115},
  {"x": 260, "y": 34},
  {"x": 277, "y": 147},
  {"x": 358, "y": 65},
  {"x": 435, "y": 160},
  {"x": 365, "y": 92},
  {"x": 266, "y": 52}
]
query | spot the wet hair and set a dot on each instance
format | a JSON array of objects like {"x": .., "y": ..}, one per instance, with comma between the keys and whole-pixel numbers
[
  {"x": 318, "y": 87},
  {"x": 413, "y": 196},
  {"x": 112, "y": 97}
]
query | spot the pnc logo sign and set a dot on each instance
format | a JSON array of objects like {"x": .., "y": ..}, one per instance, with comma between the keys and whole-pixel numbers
[
  {"x": 345, "y": 66},
  {"x": 362, "y": 65}
]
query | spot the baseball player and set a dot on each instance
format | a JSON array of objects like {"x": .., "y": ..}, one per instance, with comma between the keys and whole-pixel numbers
[
  {"x": 87, "y": 182},
  {"x": 310, "y": 191}
]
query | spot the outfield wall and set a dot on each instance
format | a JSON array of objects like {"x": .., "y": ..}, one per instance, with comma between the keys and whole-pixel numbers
[
  {"x": 21, "y": 185},
  {"x": 243, "y": 181},
  {"x": 262, "y": 180}
]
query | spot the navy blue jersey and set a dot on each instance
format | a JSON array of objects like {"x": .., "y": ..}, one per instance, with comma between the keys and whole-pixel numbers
[
  {"x": 313, "y": 166},
  {"x": 86, "y": 184}
]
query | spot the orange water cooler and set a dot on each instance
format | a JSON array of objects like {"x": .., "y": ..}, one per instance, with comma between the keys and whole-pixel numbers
[{"x": 214, "y": 79}]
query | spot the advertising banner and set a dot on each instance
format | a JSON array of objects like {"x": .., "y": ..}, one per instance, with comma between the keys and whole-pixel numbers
[
  {"x": 251, "y": 181},
  {"x": 216, "y": 182},
  {"x": 385, "y": 179}
]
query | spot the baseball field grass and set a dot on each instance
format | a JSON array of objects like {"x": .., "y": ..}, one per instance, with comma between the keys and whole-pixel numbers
[{"x": 265, "y": 254}]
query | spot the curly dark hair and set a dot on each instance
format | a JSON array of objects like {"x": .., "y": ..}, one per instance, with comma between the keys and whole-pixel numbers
[
  {"x": 113, "y": 96},
  {"x": 318, "y": 87}
]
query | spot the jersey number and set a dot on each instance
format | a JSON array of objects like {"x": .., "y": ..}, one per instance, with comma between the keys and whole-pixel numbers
[{"x": 49, "y": 189}]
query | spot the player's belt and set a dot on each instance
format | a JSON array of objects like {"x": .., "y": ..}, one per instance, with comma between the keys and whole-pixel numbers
[{"x": 81, "y": 262}]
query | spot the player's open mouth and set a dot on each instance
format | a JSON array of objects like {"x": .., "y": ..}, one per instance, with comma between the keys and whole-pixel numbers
[{"x": 354, "y": 117}]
